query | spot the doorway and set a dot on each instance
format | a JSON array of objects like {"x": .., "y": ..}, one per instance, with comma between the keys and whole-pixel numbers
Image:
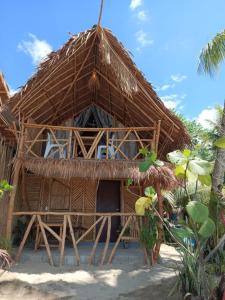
[{"x": 108, "y": 200}]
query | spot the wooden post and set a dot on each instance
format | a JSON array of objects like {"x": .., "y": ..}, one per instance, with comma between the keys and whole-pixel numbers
[
  {"x": 15, "y": 180},
  {"x": 157, "y": 136},
  {"x": 160, "y": 224}
]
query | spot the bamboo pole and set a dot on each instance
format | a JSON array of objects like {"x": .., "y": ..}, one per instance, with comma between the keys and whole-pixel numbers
[
  {"x": 91, "y": 258},
  {"x": 118, "y": 240},
  {"x": 25, "y": 238},
  {"x": 63, "y": 241},
  {"x": 45, "y": 241},
  {"x": 76, "y": 252},
  {"x": 107, "y": 240},
  {"x": 15, "y": 181}
]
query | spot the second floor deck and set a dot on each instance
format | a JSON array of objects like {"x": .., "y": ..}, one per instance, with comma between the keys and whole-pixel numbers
[{"x": 59, "y": 142}]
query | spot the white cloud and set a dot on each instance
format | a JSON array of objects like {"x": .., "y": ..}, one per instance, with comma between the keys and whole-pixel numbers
[
  {"x": 143, "y": 39},
  {"x": 37, "y": 49},
  {"x": 142, "y": 16},
  {"x": 173, "y": 101},
  {"x": 12, "y": 91},
  {"x": 178, "y": 77},
  {"x": 135, "y": 3},
  {"x": 207, "y": 117},
  {"x": 165, "y": 87}
]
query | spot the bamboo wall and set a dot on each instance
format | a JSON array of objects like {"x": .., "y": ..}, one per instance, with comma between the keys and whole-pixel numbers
[
  {"x": 6, "y": 155},
  {"x": 38, "y": 193}
]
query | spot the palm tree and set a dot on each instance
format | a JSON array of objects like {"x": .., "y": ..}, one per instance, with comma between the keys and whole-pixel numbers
[
  {"x": 212, "y": 55},
  {"x": 210, "y": 59}
]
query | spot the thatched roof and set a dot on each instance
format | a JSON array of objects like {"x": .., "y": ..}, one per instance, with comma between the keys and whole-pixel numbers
[
  {"x": 95, "y": 169},
  {"x": 4, "y": 90},
  {"x": 6, "y": 117},
  {"x": 93, "y": 67}
]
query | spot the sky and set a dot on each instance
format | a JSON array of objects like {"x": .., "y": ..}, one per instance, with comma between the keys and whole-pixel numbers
[{"x": 165, "y": 39}]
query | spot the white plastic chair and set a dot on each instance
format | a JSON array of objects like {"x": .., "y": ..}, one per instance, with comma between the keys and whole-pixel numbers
[
  {"x": 50, "y": 146},
  {"x": 101, "y": 154}
]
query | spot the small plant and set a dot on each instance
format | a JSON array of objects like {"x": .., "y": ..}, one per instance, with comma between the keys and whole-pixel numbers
[{"x": 5, "y": 245}]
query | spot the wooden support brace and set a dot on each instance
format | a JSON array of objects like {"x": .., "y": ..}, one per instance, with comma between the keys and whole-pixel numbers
[
  {"x": 118, "y": 240},
  {"x": 25, "y": 238},
  {"x": 63, "y": 241},
  {"x": 76, "y": 252},
  {"x": 45, "y": 241}
]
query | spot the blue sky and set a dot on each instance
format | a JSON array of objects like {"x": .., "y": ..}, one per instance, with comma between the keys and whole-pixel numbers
[{"x": 165, "y": 38}]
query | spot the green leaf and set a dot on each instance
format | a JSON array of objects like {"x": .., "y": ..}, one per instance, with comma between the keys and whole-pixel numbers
[
  {"x": 220, "y": 143},
  {"x": 200, "y": 167},
  {"x": 158, "y": 163},
  {"x": 177, "y": 157},
  {"x": 205, "y": 179},
  {"x": 149, "y": 191},
  {"x": 186, "y": 152},
  {"x": 180, "y": 171},
  {"x": 207, "y": 229},
  {"x": 143, "y": 151},
  {"x": 182, "y": 233},
  {"x": 129, "y": 181},
  {"x": 144, "y": 166},
  {"x": 197, "y": 211},
  {"x": 151, "y": 156}
]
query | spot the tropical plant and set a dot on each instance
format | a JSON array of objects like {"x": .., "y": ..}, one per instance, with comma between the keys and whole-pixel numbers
[
  {"x": 5, "y": 259},
  {"x": 212, "y": 55}
]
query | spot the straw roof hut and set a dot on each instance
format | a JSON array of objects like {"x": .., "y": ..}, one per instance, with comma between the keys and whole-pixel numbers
[{"x": 91, "y": 70}]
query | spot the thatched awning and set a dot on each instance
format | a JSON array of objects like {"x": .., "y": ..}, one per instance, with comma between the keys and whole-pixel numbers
[{"x": 96, "y": 169}]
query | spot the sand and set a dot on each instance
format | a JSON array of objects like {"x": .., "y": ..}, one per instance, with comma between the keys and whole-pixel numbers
[{"x": 111, "y": 282}]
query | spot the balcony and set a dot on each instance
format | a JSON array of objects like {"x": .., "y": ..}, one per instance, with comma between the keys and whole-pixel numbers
[{"x": 71, "y": 143}]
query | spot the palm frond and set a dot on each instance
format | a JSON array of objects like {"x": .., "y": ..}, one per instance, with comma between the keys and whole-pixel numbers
[{"x": 212, "y": 55}]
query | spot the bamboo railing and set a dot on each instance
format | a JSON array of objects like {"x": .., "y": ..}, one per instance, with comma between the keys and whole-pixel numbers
[
  {"x": 127, "y": 220},
  {"x": 75, "y": 142}
]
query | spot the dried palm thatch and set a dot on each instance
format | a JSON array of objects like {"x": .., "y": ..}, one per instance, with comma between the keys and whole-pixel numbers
[
  {"x": 94, "y": 83},
  {"x": 124, "y": 77},
  {"x": 93, "y": 67},
  {"x": 96, "y": 169},
  {"x": 5, "y": 259},
  {"x": 164, "y": 176}
]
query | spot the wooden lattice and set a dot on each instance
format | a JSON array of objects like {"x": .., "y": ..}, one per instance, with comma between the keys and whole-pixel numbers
[
  {"x": 83, "y": 198},
  {"x": 130, "y": 196},
  {"x": 33, "y": 187}
]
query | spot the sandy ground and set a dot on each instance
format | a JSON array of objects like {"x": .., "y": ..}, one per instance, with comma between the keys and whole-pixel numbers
[{"x": 35, "y": 281}]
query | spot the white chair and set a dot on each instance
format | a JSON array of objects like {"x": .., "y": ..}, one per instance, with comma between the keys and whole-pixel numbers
[
  {"x": 50, "y": 146},
  {"x": 102, "y": 149}
]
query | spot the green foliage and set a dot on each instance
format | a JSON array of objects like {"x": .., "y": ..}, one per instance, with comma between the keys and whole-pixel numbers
[
  {"x": 148, "y": 233},
  {"x": 4, "y": 187},
  {"x": 5, "y": 244},
  {"x": 203, "y": 139},
  {"x": 150, "y": 159},
  {"x": 207, "y": 229},
  {"x": 220, "y": 143},
  {"x": 205, "y": 179},
  {"x": 149, "y": 191},
  {"x": 193, "y": 234},
  {"x": 188, "y": 164},
  {"x": 129, "y": 182},
  {"x": 212, "y": 55},
  {"x": 197, "y": 211}
]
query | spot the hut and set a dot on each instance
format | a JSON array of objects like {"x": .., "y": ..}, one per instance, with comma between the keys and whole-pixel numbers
[{"x": 77, "y": 126}]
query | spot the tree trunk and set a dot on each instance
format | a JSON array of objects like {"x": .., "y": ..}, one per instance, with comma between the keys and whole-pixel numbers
[
  {"x": 216, "y": 213},
  {"x": 219, "y": 167}
]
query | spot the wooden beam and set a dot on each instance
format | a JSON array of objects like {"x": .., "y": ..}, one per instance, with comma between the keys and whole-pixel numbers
[
  {"x": 133, "y": 103},
  {"x": 65, "y": 60},
  {"x": 78, "y": 73},
  {"x": 25, "y": 238}
]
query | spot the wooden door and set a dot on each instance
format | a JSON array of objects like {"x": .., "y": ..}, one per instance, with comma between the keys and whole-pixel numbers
[{"x": 108, "y": 200}]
